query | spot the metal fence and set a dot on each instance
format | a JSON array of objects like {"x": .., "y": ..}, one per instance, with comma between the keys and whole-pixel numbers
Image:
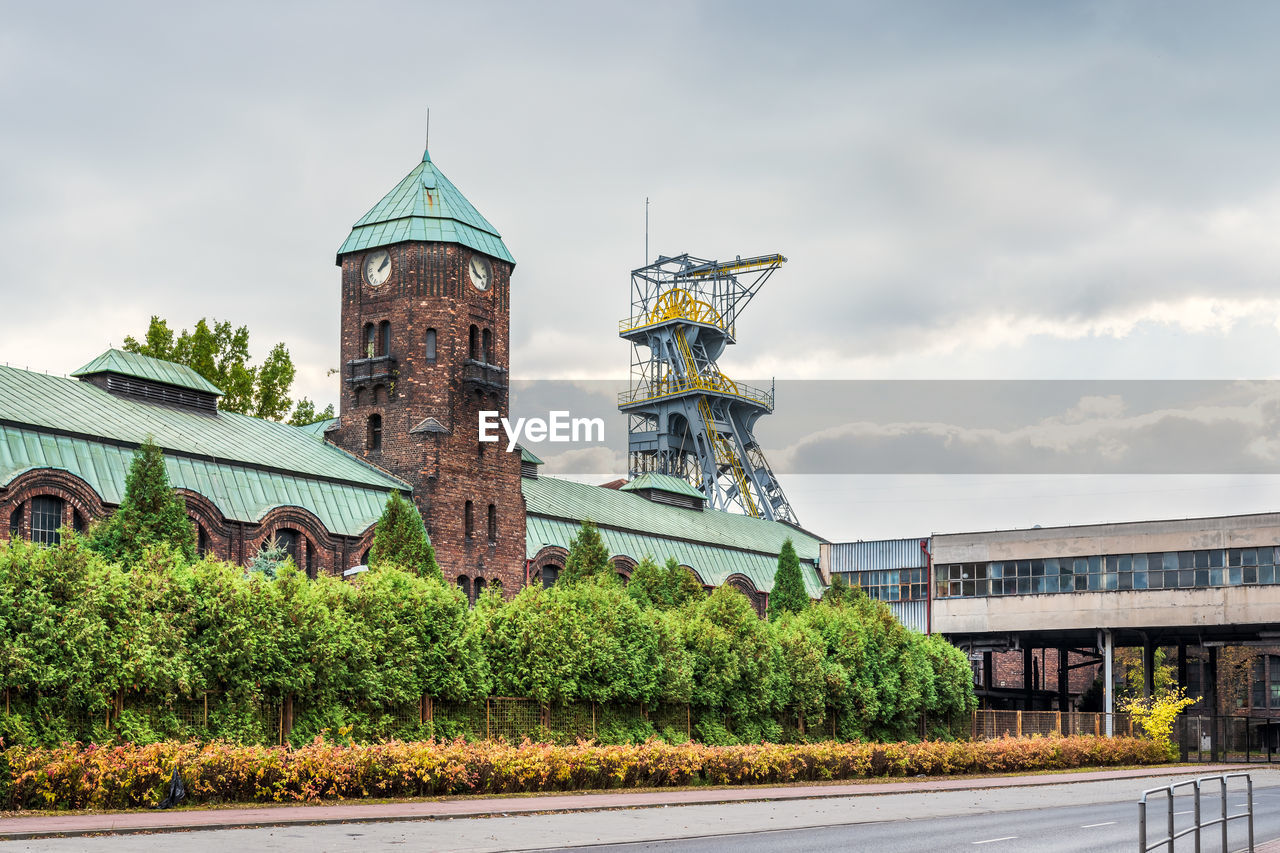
[
  {"x": 1198, "y": 823},
  {"x": 146, "y": 718},
  {"x": 987, "y": 725},
  {"x": 1228, "y": 739}
]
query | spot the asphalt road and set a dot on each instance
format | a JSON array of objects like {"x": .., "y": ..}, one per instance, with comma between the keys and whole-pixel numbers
[
  {"x": 1074, "y": 829},
  {"x": 1085, "y": 816}
]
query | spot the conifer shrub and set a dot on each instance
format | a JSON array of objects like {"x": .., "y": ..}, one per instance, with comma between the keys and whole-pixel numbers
[
  {"x": 588, "y": 557},
  {"x": 150, "y": 513},
  {"x": 788, "y": 595},
  {"x": 401, "y": 540}
]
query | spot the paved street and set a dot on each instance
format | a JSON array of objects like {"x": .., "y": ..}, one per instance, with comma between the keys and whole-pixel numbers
[{"x": 1060, "y": 817}]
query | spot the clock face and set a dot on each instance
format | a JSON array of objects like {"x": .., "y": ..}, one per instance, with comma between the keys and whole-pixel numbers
[
  {"x": 481, "y": 272},
  {"x": 377, "y": 266}
]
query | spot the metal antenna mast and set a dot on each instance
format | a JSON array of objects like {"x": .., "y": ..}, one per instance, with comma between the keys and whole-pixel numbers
[{"x": 686, "y": 418}]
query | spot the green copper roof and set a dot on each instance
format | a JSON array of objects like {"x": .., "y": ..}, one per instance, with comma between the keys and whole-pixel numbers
[
  {"x": 45, "y": 403},
  {"x": 526, "y": 456},
  {"x": 241, "y": 493},
  {"x": 145, "y": 367},
  {"x": 662, "y": 483},
  {"x": 715, "y": 544},
  {"x": 317, "y": 429},
  {"x": 425, "y": 206}
]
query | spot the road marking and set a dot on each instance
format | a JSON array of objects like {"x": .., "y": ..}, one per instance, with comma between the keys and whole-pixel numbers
[
  {"x": 990, "y": 840},
  {"x": 1092, "y": 825}
]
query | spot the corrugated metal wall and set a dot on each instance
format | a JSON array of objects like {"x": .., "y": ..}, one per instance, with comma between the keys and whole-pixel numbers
[
  {"x": 883, "y": 555},
  {"x": 912, "y": 614},
  {"x": 880, "y": 554}
]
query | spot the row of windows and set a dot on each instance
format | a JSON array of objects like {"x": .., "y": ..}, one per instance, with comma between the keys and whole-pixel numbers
[
  {"x": 1154, "y": 570},
  {"x": 891, "y": 584},
  {"x": 469, "y": 522},
  {"x": 377, "y": 342},
  {"x": 474, "y": 589}
]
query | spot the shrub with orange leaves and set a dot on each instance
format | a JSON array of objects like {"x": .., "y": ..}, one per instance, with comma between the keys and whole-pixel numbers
[{"x": 114, "y": 777}]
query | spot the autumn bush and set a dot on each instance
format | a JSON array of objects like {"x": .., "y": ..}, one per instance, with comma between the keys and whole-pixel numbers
[{"x": 129, "y": 776}]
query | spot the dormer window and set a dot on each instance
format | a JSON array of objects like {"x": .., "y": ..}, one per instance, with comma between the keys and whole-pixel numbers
[{"x": 150, "y": 380}]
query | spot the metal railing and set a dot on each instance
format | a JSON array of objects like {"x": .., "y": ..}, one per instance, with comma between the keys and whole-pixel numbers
[
  {"x": 1232, "y": 738},
  {"x": 1199, "y": 823}
]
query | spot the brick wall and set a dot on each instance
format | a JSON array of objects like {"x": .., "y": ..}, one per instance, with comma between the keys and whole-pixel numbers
[{"x": 429, "y": 288}]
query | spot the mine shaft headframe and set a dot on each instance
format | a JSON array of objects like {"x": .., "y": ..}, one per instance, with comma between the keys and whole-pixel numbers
[{"x": 715, "y": 282}]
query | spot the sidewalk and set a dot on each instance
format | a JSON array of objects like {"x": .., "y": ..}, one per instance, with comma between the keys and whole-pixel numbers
[{"x": 355, "y": 812}]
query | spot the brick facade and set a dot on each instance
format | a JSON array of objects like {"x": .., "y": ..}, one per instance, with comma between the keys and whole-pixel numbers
[
  {"x": 429, "y": 289},
  {"x": 319, "y": 551}
]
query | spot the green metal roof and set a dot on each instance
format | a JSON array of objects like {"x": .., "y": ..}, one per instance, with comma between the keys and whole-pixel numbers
[
  {"x": 526, "y": 456},
  {"x": 240, "y": 493},
  {"x": 662, "y": 483},
  {"x": 715, "y": 544},
  {"x": 145, "y": 367},
  {"x": 317, "y": 429},
  {"x": 52, "y": 403},
  {"x": 425, "y": 206}
]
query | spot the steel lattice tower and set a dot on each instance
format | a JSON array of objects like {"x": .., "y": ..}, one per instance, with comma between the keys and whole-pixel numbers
[{"x": 685, "y": 417}]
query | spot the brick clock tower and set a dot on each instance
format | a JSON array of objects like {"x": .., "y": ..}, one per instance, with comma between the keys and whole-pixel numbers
[{"x": 426, "y": 302}]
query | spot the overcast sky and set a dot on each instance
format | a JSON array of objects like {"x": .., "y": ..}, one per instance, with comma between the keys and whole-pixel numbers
[{"x": 964, "y": 190}]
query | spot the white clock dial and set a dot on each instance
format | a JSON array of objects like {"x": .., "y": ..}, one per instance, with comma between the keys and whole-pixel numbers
[
  {"x": 481, "y": 272},
  {"x": 377, "y": 266}
]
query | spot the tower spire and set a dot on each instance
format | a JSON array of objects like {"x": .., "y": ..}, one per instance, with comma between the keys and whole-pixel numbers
[{"x": 426, "y": 142}]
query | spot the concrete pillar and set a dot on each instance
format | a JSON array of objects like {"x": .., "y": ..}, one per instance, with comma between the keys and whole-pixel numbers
[
  {"x": 1182, "y": 682},
  {"x": 1028, "y": 663},
  {"x": 1108, "y": 684},
  {"x": 1148, "y": 668},
  {"x": 1211, "y": 699},
  {"x": 1064, "y": 682}
]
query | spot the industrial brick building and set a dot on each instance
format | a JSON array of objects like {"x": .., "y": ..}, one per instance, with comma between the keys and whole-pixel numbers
[{"x": 424, "y": 296}]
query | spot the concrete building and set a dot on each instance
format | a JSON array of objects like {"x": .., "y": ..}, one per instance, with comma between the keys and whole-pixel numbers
[{"x": 1196, "y": 584}]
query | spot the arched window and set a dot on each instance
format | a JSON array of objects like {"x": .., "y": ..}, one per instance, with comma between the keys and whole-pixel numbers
[
  {"x": 431, "y": 346},
  {"x": 493, "y": 524},
  {"x": 364, "y": 558},
  {"x": 290, "y": 540},
  {"x": 46, "y": 518},
  {"x": 202, "y": 540},
  {"x": 549, "y": 575},
  {"x": 15, "y": 522},
  {"x": 384, "y": 338},
  {"x": 479, "y": 588},
  {"x": 486, "y": 347},
  {"x": 374, "y": 440},
  {"x": 469, "y": 519},
  {"x": 370, "y": 341},
  {"x": 464, "y": 584},
  {"x": 473, "y": 344}
]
